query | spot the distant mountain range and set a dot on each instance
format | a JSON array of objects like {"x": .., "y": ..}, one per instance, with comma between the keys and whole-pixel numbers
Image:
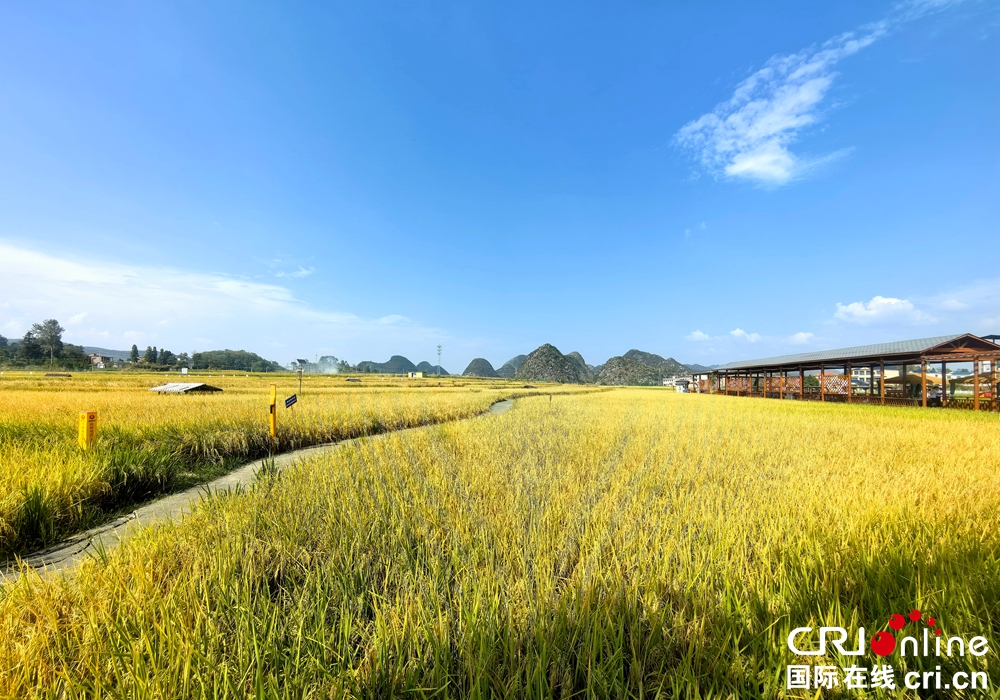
[
  {"x": 116, "y": 354},
  {"x": 480, "y": 367},
  {"x": 547, "y": 363},
  {"x": 511, "y": 365},
  {"x": 398, "y": 364}
]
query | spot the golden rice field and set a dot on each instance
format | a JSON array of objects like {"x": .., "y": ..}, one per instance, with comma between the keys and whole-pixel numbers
[
  {"x": 149, "y": 444},
  {"x": 629, "y": 544}
]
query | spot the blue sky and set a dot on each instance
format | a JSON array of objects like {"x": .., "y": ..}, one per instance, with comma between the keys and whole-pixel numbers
[{"x": 709, "y": 181}]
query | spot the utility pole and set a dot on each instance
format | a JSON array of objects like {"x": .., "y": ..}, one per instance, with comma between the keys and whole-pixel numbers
[{"x": 439, "y": 359}]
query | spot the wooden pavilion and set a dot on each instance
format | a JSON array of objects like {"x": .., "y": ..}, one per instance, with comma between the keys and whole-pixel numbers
[{"x": 900, "y": 374}]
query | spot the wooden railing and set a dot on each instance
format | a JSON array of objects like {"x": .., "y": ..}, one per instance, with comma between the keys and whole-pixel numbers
[
  {"x": 967, "y": 403},
  {"x": 891, "y": 398}
]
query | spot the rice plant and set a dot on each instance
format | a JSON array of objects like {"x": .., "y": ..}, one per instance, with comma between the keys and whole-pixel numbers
[
  {"x": 631, "y": 544},
  {"x": 149, "y": 444}
]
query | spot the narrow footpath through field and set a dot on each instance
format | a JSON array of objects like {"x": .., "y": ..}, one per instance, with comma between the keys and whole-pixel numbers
[{"x": 71, "y": 551}]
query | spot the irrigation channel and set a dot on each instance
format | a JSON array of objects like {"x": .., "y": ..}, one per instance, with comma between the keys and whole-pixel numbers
[{"x": 66, "y": 554}]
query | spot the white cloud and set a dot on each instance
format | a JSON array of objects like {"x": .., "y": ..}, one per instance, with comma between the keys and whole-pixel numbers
[
  {"x": 301, "y": 272},
  {"x": 703, "y": 226},
  {"x": 881, "y": 309},
  {"x": 742, "y": 334},
  {"x": 687, "y": 233},
  {"x": 800, "y": 338},
  {"x": 971, "y": 308},
  {"x": 186, "y": 310},
  {"x": 698, "y": 335},
  {"x": 749, "y": 136}
]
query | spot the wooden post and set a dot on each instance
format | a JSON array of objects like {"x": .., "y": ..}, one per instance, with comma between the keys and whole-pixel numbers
[
  {"x": 802, "y": 384},
  {"x": 906, "y": 393},
  {"x": 944, "y": 384},
  {"x": 881, "y": 381},
  {"x": 975, "y": 385},
  {"x": 273, "y": 418},
  {"x": 850, "y": 383},
  {"x": 923, "y": 383},
  {"x": 781, "y": 383},
  {"x": 822, "y": 382},
  {"x": 993, "y": 383}
]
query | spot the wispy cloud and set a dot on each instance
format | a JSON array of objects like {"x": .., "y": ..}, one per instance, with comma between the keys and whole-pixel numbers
[
  {"x": 108, "y": 303},
  {"x": 749, "y": 136},
  {"x": 301, "y": 272},
  {"x": 698, "y": 336}
]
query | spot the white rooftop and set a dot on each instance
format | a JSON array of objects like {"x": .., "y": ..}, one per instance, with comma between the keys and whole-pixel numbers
[{"x": 183, "y": 388}]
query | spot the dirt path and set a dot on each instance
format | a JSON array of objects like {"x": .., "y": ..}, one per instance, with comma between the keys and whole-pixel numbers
[{"x": 71, "y": 551}]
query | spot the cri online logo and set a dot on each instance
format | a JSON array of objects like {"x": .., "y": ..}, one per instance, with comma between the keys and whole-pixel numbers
[{"x": 884, "y": 643}]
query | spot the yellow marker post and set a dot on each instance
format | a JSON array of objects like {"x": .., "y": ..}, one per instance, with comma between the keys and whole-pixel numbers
[
  {"x": 87, "y": 429},
  {"x": 274, "y": 411}
]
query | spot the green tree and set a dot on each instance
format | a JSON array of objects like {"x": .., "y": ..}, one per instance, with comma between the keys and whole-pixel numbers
[
  {"x": 166, "y": 358},
  {"x": 48, "y": 334},
  {"x": 28, "y": 350},
  {"x": 133, "y": 355},
  {"x": 150, "y": 357},
  {"x": 233, "y": 359},
  {"x": 73, "y": 356}
]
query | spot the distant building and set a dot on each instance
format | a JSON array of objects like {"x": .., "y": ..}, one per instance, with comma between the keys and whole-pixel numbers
[
  {"x": 100, "y": 361},
  {"x": 677, "y": 381},
  {"x": 415, "y": 375}
]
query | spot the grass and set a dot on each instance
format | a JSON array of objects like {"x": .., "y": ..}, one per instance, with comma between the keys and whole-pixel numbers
[
  {"x": 150, "y": 444},
  {"x": 628, "y": 544}
]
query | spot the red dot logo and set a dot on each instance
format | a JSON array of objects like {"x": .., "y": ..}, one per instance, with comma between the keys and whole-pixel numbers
[
  {"x": 883, "y": 643},
  {"x": 931, "y": 621},
  {"x": 938, "y": 631},
  {"x": 915, "y": 615},
  {"x": 897, "y": 621}
]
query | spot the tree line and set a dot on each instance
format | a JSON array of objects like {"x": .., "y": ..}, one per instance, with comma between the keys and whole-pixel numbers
[
  {"x": 158, "y": 359},
  {"x": 42, "y": 346}
]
